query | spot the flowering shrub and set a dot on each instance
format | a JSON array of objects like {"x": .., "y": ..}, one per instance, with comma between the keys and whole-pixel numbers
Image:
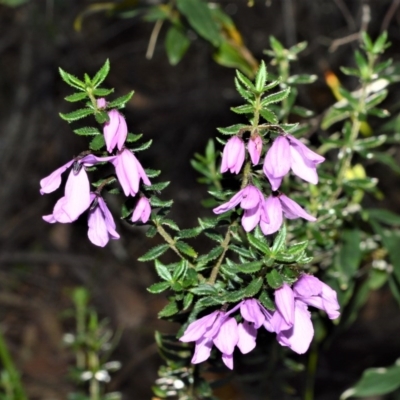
[{"x": 260, "y": 271}]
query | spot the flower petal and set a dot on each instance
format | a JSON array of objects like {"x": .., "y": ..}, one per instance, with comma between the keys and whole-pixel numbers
[
  {"x": 232, "y": 203},
  {"x": 227, "y": 336},
  {"x": 198, "y": 328},
  {"x": 277, "y": 159},
  {"x": 307, "y": 153},
  {"x": 247, "y": 337},
  {"x": 254, "y": 147},
  {"x": 284, "y": 300},
  {"x": 292, "y": 210},
  {"x": 273, "y": 209},
  {"x": 302, "y": 167},
  {"x": 251, "y": 312},
  {"x": 53, "y": 181},
  {"x": 202, "y": 350}
]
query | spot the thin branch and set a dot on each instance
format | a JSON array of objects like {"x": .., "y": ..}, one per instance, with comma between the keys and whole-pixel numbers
[
  {"x": 389, "y": 15},
  {"x": 153, "y": 39}
]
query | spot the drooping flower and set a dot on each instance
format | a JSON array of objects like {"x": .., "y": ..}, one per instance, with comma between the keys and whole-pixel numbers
[
  {"x": 129, "y": 172},
  {"x": 287, "y": 153},
  {"x": 278, "y": 206},
  {"x": 53, "y": 181},
  {"x": 115, "y": 131},
  {"x": 254, "y": 148},
  {"x": 75, "y": 201},
  {"x": 233, "y": 155},
  {"x": 100, "y": 222},
  {"x": 76, "y": 197},
  {"x": 252, "y": 201},
  {"x": 142, "y": 210},
  {"x": 292, "y": 320},
  {"x": 217, "y": 328}
]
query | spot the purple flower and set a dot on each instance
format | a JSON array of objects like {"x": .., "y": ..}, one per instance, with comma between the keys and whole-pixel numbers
[
  {"x": 217, "y": 328},
  {"x": 254, "y": 148},
  {"x": 53, "y": 181},
  {"x": 252, "y": 201},
  {"x": 129, "y": 172},
  {"x": 287, "y": 153},
  {"x": 76, "y": 197},
  {"x": 142, "y": 210},
  {"x": 101, "y": 102},
  {"x": 101, "y": 223},
  {"x": 292, "y": 320},
  {"x": 115, "y": 131},
  {"x": 317, "y": 294},
  {"x": 75, "y": 200},
  {"x": 276, "y": 207},
  {"x": 233, "y": 155}
]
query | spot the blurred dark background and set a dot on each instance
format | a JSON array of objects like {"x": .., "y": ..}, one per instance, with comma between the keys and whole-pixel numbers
[{"x": 179, "y": 107}]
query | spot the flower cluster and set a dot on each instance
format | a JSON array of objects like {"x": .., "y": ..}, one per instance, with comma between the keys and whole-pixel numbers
[
  {"x": 286, "y": 153},
  {"x": 291, "y": 321},
  {"x": 77, "y": 195}
]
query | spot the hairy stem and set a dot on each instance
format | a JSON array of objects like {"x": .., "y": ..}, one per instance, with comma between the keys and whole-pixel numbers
[{"x": 217, "y": 266}]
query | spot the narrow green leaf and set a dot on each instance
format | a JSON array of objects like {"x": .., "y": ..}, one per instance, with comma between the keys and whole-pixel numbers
[
  {"x": 275, "y": 97},
  {"x": 274, "y": 279},
  {"x": 188, "y": 300},
  {"x": 189, "y": 233},
  {"x": 298, "y": 47},
  {"x": 276, "y": 45},
  {"x": 158, "y": 186},
  {"x": 246, "y": 81},
  {"x": 168, "y": 310},
  {"x": 369, "y": 143},
  {"x": 144, "y": 146},
  {"x": 302, "y": 112},
  {"x": 233, "y": 129},
  {"x": 245, "y": 109},
  {"x": 87, "y": 131},
  {"x": 71, "y": 80},
  {"x": 186, "y": 249},
  {"x": 385, "y": 216},
  {"x": 269, "y": 116},
  {"x": 303, "y": 79},
  {"x": 180, "y": 270},
  {"x": 77, "y": 114},
  {"x": 376, "y": 98},
  {"x": 259, "y": 244},
  {"x": 76, "y": 97},
  {"x": 254, "y": 287},
  {"x": 350, "y": 71},
  {"x": 101, "y": 117},
  {"x": 161, "y": 269},
  {"x": 158, "y": 287},
  {"x": 176, "y": 44},
  {"x": 280, "y": 240},
  {"x": 97, "y": 143},
  {"x": 171, "y": 224},
  {"x": 266, "y": 301},
  {"x": 121, "y": 101},
  {"x": 203, "y": 260},
  {"x": 102, "y": 92},
  {"x": 154, "y": 252},
  {"x": 380, "y": 44},
  {"x": 200, "y": 18},
  {"x": 261, "y": 77},
  {"x": 131, "y": 138},
  {"x": 297, "y": 248},
  {"x": 101, "y": 74},
  {"x": 246, "y": 94},
  {"x": 156, "y": 202},
  {"x": 204, "y": 289},
  {"x": 250, "y": 267}
]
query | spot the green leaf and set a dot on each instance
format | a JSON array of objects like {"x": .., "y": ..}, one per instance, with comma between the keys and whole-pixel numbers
[
  {"x": 376, "y": 98},
  {"x": 131, "y": 138},
  {"x": 87, "y": 131},
  {"x": 361, "y": 63},
  {"x": 176, "y": 44},
  {"x": 158, "y": 287},
  {"x": 101, "y": 74},
  {"x": 204, "y": 289},
  {"x": 102, "y": 92},
  {"x": 144, "y": 146},
  {"x": 245, "y": 109},
  {"x": 200, "y": 18},
  {"x": 334, "y": 115},
  {"x": 297, "y": 248},
  {"x": 254, "y": 287},
  {"x": 362, "y": 183},
  {"x": 246, "y": 94},
  {"x": 229, "y": 55},
  {"x": 76, "y": 97},
  {"x": 186, "y": 249},
  {"x": 121, "y": 101},
  {"x": 156, "y": 202},
  {"x": 275, "y": 97},
  {"x": 168, "y": 310},
  {"x": 203, "y": 260},
  {"x": 384, "y": 216},
  {"x": 170, "y": 224},
  {"x": 280, "y": 240},
  {"x": 261, "y": 77},
  {"x": 298, "y": 47},
  {"x": 188, "y": 300},
  {"x": 250, "y": 267},
  {"x": 350, "y": 71},
  {"x": 276, "y": 45},
  {"x": 259, "y": 244},
  {"x": 266, "y": 301},
  {"x": 77, "y": 114},
  {"x": 180, "y": 270},
  {"x": 71, "y": 80},
  {"x": 303, "y": 79},
  {"x": 161, "y": 269},
  {"x": 158, "y": 187},
  {"x": 269, "y": 116},
  {"x": 154, "y": 252},
  {"x": 302, "y": 112},
  {"x": 101, "y": 117},
  {"x": 374, "y": 382},
  {"x": 189, "y": 233},
  {"x": 274, "y": 279},
  {"x": 369, "y": 143},
  {"x": 386, "y": 159},
  {"x": 246, "y": 81},
  {"x": 233, "y": 129},
  {"x": 97, "y": 143},
  {"x": 380, "y": 44}
]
